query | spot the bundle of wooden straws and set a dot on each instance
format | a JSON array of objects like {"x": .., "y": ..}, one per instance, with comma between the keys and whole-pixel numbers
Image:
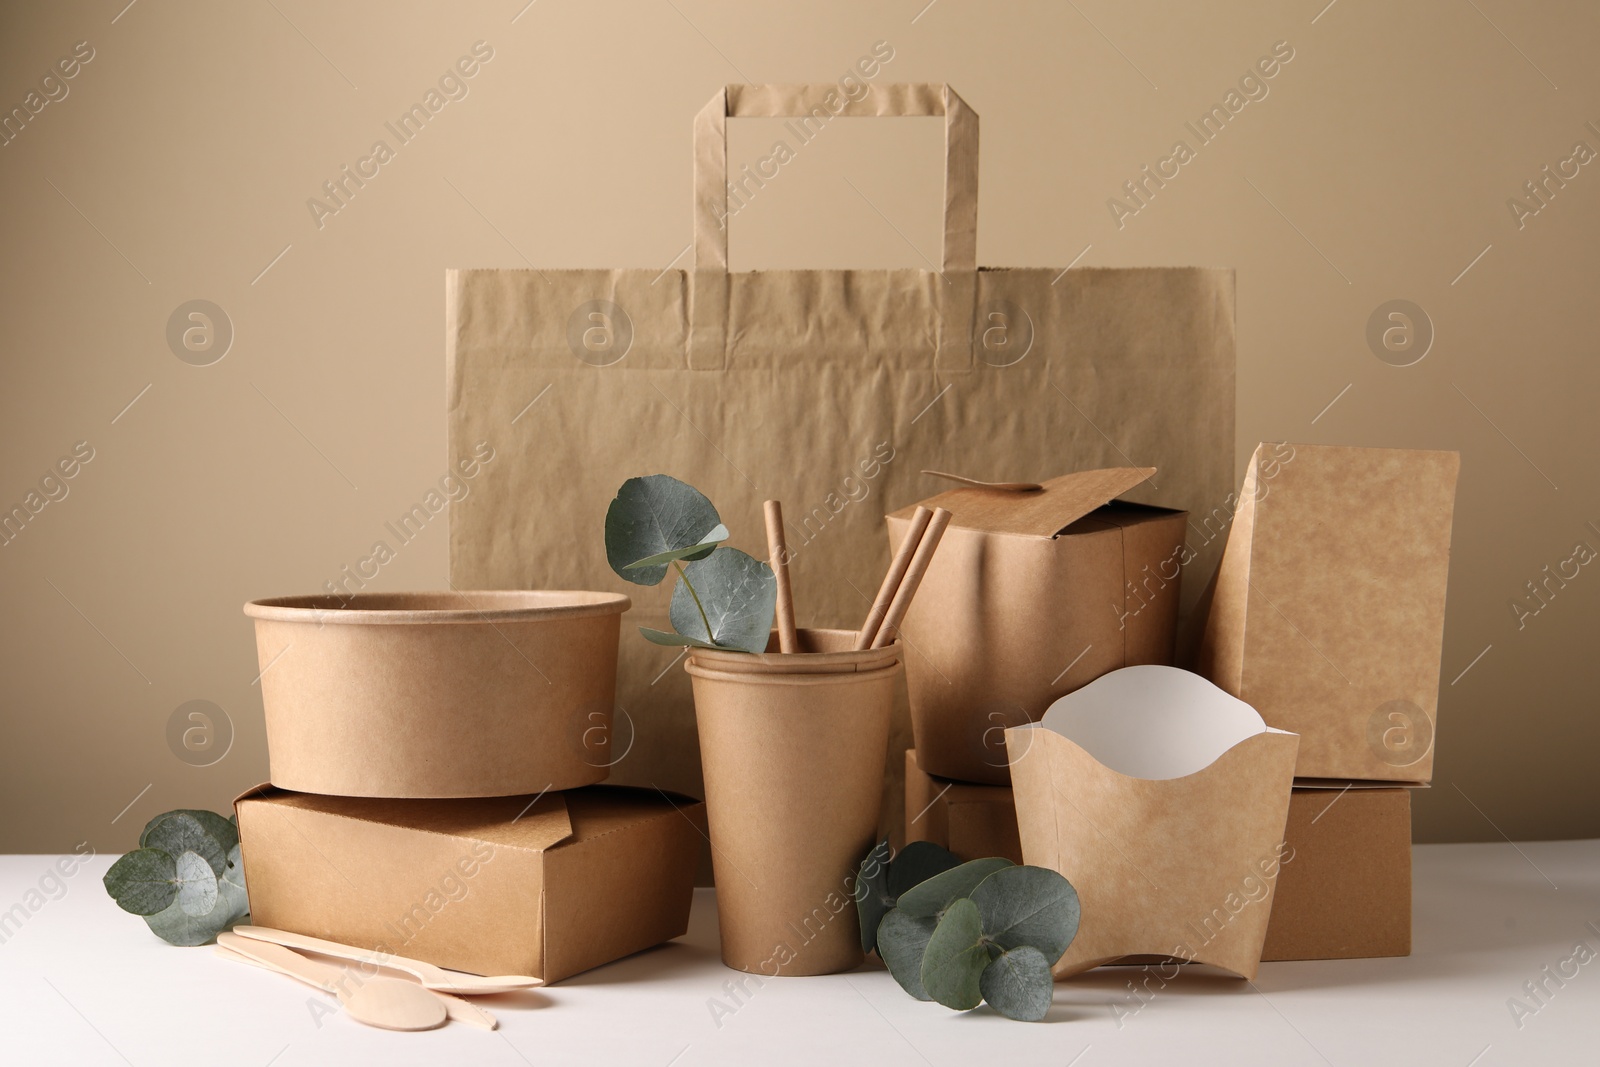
[{"x": 900, "y": 584}]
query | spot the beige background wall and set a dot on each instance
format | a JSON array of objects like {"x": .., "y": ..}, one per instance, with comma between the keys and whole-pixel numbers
[{"x": 179, "y": 163}]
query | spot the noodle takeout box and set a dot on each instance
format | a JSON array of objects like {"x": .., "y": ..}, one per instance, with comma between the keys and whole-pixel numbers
[{"x": 1032, "y": 594}]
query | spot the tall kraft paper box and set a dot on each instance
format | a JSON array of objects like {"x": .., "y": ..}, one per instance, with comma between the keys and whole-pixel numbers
[{"x": 1327, "y": 614}]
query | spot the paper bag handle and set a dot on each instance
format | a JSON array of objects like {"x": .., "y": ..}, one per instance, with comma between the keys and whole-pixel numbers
[{"x": 828, "y": 101}]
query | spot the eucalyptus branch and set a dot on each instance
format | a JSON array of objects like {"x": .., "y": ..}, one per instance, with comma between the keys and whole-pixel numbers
[{"x": 683, "y": 576}]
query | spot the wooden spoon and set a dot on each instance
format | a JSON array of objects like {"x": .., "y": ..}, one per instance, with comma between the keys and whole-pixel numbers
[
  {"x": 435, "y": 978},
  {"x": 389, "y": 1003},
  {"x": 456, "y": 1009}
]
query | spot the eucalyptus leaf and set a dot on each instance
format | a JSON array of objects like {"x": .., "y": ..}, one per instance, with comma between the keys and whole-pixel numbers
[
  {"x": 654, "y": 515},
  {"x": 939, "y": 892},
  {"x": 233, "y": 903},
  {"x": 738, "y": 594},
  {"x": 1017, "y": 984},
  {"x": 1028, "y": 906},
  {"x": 143, "y": 882},
  {"x": 916, "y": 863},
  {"x": 902, "y": 943},
  {"x": 224, "y": 831},
  {"x": 180, "y": 832},
  {"x": 662, "y": 637},
  {"x": 715, "y": 537},
  {"x": 177, "y": 927},
  {"x": 953, "y": 966},
  {"x": 197, "y": 885},
  {"x": 872, "y": 893}
]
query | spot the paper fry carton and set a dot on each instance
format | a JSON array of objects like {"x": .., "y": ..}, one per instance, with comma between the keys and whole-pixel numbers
[
  {"x": 1163, "y": 801},
  {"x": 1031, "y": 595},
  {"x": 1328, "y": 610},
  {"x": 544, "y": 885}
]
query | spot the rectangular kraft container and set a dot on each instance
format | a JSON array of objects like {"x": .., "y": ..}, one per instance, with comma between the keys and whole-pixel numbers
[
  {"x": 547, "y": 886},
  {"x": 972, "y": 821},
  {"x": 1344, "y": 892},
  {"x": 1032, "y": 595}
]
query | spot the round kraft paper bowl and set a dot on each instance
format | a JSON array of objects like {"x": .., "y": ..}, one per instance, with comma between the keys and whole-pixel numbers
[
  {"x": 450, "y": 694},
  {"x": 793, "y": 767},
  {"x": 821, "y": 652}
]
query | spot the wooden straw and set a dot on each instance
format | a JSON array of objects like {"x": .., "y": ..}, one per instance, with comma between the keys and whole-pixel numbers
[
  {"x": 891, "y": 581},
  {"x": 908, "y": 587},
  {"x": 778, "y": 558}
]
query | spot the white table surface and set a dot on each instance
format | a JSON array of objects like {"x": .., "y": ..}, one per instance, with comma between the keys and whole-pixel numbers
[{"x": 84, "y": 983}]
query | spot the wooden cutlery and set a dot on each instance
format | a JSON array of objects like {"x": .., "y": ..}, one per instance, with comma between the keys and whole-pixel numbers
[
  {"x": 435, "y": 978},
  {"x": 389, "y": 1003}
]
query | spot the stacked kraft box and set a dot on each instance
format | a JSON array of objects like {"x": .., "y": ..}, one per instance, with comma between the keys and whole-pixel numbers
[{"x": 1327, "y": 617}]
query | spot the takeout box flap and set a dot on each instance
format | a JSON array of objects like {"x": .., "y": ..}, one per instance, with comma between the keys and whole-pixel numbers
[
  {"x": 1041, "y": 512},
  {"x": 512, "y": 822}
]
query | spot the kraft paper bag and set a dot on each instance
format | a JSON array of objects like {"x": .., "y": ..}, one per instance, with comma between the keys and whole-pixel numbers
[
  {"x": 1163, "y": 800},
  {"x": 826, "y": 389},
  {"x": 1328, "y": 611}
]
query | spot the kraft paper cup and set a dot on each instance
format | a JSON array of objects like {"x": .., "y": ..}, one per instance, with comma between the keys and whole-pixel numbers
[
  {"x": 793, "y": 769},
  {"x": 452, "y": 694},
  {"x": 821, "y": 652}
]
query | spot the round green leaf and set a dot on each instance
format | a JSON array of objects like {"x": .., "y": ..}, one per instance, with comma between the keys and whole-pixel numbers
[
  {"x": 189, "y": 926},
  {"x": 181, "y": 832},
  {"x": 143, "y": 882},
  {"x": 956, "y": 958},
  {"x": 177, "y": 927},
  {"x": 738, "y": 594},
  {"x": 654, "y": 515},
  {"x": 225, "y": 831},
  {"x": 1017, "y": 984},
  {"x": 937, "y": 893},
  {"x": 902, "y": 943},
  {"x": 916, "y": 863},
  {"x": 872, "y": 893},
  {"x": 1028, "y": 906},
  {"x": 197, "y": 885}
]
